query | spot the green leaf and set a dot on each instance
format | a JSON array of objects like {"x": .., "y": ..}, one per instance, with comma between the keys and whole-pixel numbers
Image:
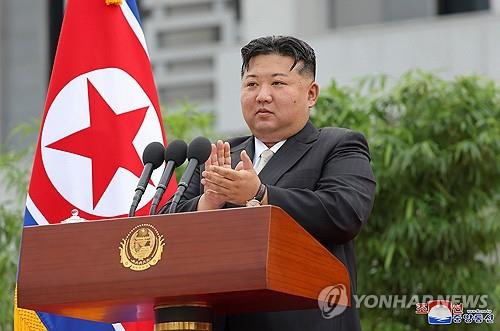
[{"x": 388, "y": 257}]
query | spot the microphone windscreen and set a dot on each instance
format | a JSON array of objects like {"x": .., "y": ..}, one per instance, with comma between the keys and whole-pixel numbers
[
  {"x": 199, "y": 149},
  {"x": 153, "y": 153},
  {"x": 176, "y": 151}
]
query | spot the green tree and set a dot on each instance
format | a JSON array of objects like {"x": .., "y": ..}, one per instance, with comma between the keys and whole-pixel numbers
[
  {"x": 186, "y": 124},
  {"x": 14, "y": 175},
  {"x": 435, "y": 226}
]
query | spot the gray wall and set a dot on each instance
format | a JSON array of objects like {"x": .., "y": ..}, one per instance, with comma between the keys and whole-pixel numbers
[{"x": 23, "y": 62}]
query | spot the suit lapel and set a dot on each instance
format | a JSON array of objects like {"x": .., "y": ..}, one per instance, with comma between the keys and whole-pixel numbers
[
  {"x": 248, "y": 145},
  {"x": 289, "y": 154}
]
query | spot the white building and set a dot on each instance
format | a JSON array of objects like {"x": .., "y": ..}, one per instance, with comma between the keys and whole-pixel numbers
[{"x": 194, "y": 45}]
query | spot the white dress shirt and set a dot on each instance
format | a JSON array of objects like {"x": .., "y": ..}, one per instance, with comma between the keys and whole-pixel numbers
[{"x": 260, "y": 147}]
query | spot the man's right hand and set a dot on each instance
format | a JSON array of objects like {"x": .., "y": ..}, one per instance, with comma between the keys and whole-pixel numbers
[{"x": 219, "y": 156}]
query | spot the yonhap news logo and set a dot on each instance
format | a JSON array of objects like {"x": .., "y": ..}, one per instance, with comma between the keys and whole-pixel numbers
[
  {"x": 329, "y": 299},
  {"x": 440, "y": 309}
]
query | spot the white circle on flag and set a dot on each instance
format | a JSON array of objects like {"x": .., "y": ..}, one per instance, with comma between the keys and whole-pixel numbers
[{"x": 71, "y": 174}]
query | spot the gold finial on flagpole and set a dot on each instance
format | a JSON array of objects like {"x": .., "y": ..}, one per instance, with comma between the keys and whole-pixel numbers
[{"x": 114, "y": 2}]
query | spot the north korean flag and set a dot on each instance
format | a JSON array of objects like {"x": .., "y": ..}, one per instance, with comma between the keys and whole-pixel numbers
[{"x": 101, "y": 112}]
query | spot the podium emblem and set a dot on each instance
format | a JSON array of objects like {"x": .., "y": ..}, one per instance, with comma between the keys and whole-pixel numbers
[{"x": 142, "y": 248}]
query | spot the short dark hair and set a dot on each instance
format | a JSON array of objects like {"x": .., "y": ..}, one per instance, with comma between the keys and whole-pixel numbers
[{"x": 295, "y": 48}]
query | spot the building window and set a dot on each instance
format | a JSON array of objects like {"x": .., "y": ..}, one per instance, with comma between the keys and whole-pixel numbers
[{"x": 461, "y": 6}]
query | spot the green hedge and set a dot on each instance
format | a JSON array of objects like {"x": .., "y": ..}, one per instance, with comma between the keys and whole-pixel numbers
[
  {"x": 13, "y": 179},
  {"x": 435, "y": 226}
]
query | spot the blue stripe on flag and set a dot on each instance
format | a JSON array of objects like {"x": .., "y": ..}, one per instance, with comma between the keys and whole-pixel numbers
[
  {"x": 28, "y": 219},
  {"x": 133, "y": 7},
  {"x": 61, "y": 323}
]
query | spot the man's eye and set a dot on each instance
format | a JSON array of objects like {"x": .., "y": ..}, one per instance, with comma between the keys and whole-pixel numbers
[
  {"x": 251, "y": 84},
  {"x": 278, "y": 83}
]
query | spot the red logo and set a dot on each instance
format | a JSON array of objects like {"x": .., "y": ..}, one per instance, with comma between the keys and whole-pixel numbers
[{"x": 422, "y": 309}]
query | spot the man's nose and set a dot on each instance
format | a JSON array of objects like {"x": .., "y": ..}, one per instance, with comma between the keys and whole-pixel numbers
[{"x": 264, "y": 94}]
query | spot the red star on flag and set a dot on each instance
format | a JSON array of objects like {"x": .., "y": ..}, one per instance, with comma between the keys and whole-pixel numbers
[{"x": 107, "y": 142}]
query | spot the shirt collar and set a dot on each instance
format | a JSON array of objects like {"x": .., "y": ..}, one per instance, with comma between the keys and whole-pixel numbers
[{"x": 260, "y": 147}]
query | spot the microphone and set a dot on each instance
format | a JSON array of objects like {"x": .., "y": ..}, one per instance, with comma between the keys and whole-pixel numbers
[
  {"x": 175, "y": 155},
  {"x": 152, "y": 157},
  {"x": 198, "y": 152}
]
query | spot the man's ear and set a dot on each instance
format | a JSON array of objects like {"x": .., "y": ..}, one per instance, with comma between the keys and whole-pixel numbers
[{"x": 312, "y": 94}]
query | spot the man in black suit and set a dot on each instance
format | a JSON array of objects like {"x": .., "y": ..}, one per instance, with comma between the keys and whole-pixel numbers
[{"x": 321, "y": 177}]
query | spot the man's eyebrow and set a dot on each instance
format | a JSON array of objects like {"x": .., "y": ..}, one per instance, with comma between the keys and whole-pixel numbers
[{"x": 272, "y": 75}]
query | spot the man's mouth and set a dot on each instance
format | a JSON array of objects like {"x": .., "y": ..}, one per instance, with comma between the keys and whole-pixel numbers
[{"x": 263, "y": 111}]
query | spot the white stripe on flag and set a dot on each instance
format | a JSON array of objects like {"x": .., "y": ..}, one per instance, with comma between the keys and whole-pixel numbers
[
  {"x": 35, "y": 213},
  {"x": 134, "y": 24},
  {"x": 118, "y": 327}
]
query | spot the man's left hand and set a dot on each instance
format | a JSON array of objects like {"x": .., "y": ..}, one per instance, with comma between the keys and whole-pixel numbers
[{"x": 239, "y": 185}]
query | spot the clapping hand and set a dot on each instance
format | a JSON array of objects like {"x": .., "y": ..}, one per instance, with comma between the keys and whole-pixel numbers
[
  {"x": 236, "y": 186},
  {"x": 220, "y": 156}
]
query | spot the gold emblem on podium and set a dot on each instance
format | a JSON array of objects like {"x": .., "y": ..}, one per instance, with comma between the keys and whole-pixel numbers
[{"x": 142, "y": 248}]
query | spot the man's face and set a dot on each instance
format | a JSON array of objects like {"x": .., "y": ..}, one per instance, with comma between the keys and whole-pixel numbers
[{"x": 275, "y": 101}]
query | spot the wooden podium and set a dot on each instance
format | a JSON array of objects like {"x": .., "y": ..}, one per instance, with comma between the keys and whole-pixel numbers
[{"x": 233, "y": 260}]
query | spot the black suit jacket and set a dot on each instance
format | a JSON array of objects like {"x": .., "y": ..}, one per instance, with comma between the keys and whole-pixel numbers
[{"x": 324, "y": 180}]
